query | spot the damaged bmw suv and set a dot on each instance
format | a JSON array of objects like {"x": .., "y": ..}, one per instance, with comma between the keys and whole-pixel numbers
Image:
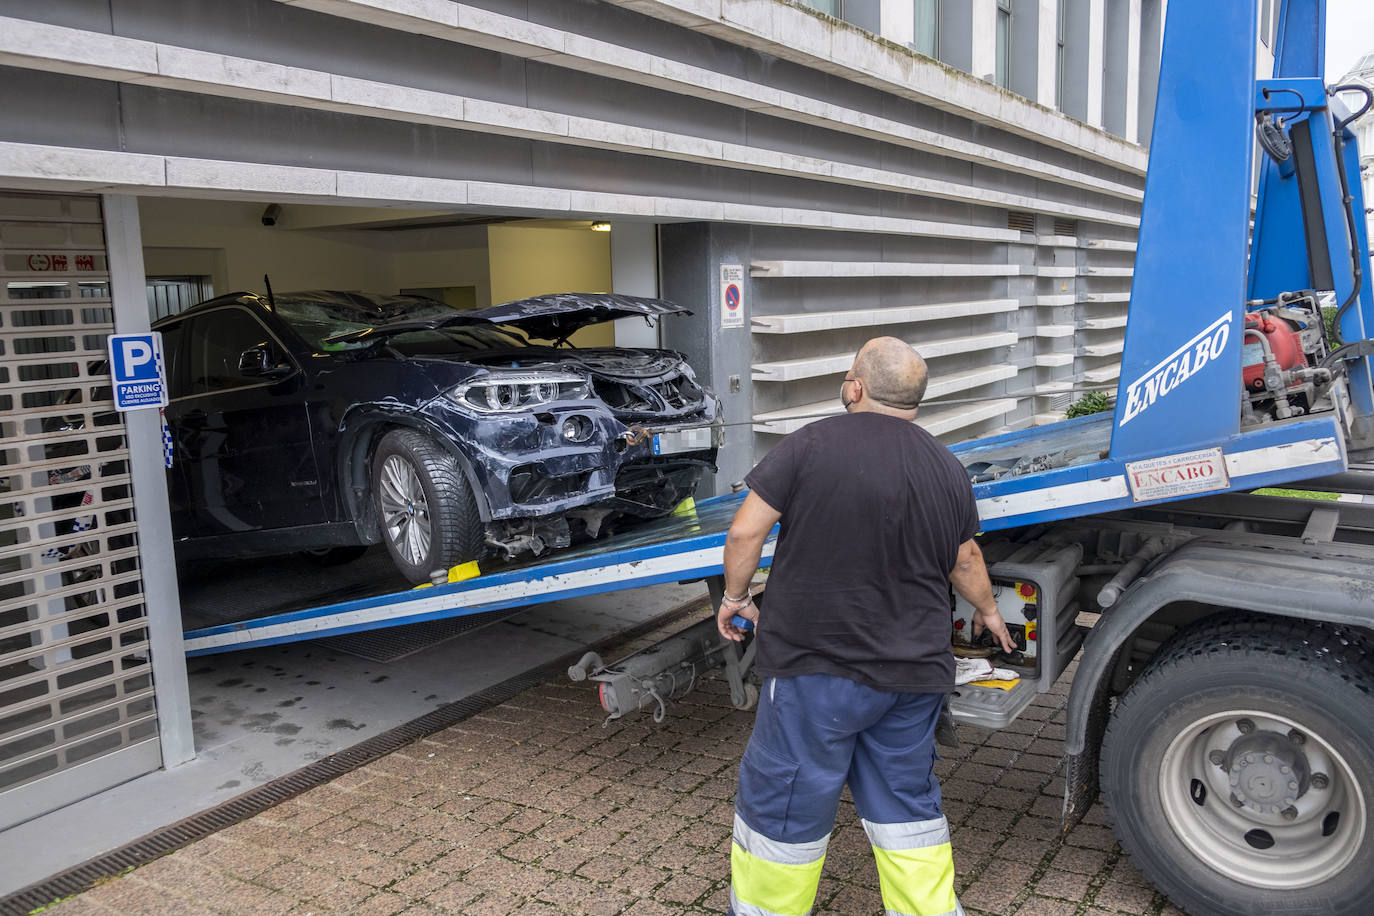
[{"x": 328, "y": 421}]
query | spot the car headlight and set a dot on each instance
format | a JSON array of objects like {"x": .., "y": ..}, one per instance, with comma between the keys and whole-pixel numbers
[{"x": 516, "y": 391}]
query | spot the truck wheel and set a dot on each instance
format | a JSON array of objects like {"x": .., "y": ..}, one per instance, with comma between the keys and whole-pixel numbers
[
  {"x": 1238, "y": 770},
  {"x": 427, "y": 513}
]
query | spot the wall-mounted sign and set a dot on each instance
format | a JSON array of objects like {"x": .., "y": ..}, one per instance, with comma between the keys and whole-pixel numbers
[
  {"x": 59, "y": 262},
  {"x": 731, "y": 295},
  {"x": 136, "y": 371}
]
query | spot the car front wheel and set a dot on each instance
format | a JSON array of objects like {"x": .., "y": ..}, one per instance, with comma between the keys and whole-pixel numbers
[{"x": 426, "y": 510}]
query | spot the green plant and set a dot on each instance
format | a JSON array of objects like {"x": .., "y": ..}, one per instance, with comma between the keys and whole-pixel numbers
[
  {"x": 1090, "y": 403},
  {"x": 1329, "y": 319},
  {"x": 1296, "y": 494}
]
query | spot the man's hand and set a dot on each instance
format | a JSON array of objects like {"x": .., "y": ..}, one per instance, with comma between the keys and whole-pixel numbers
[
  {"x": 727, "y": 613},
  {"x": 970, "y": 580},
  {"x": 992, "y": 619},
  {"x": 743, "y": 547}
]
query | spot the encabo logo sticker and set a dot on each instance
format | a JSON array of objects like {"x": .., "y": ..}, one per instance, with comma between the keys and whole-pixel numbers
[{"x": 1177, "y": 368}]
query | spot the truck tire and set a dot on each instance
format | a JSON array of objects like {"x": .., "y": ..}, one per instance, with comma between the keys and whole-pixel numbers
[
  {"x": 1238, "y": 770},
  {"x": 427, "y": 514}
]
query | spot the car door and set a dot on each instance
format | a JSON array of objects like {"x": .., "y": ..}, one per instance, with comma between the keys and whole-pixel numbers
[{"x": 243, "y": 429}]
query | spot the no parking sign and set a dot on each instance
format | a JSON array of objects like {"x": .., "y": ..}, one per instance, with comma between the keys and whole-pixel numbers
[
  {"x": 136, "y": 371},
  {"x": 731, "y": 296}
]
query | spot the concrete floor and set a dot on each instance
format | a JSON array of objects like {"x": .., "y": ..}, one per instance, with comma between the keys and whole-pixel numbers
[{"x": 260, "y": 714}]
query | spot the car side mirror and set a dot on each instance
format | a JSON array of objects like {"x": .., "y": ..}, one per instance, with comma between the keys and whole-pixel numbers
[{"x": 257, "y": 362}]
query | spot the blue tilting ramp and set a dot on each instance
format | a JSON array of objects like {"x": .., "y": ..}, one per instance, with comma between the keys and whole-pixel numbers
[
  {"x": 673, "y": 549},
  {"x": 1056, "y": 472}
]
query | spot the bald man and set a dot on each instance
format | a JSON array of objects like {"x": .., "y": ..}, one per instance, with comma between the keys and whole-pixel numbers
[{"x": 877, "y": 524}]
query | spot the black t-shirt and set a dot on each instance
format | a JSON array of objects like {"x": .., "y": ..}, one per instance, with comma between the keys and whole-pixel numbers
[{"x": 873, "y": 512}]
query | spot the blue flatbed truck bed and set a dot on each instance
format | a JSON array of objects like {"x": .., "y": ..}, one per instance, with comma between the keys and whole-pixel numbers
[{"x": 1072, "y": 481}]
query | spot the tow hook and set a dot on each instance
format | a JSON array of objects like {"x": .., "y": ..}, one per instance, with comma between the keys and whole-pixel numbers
[{"x": 636, "y": 435}]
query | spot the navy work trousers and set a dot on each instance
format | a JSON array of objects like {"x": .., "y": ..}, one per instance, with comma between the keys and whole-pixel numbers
[{"x": 812, "y": 735}]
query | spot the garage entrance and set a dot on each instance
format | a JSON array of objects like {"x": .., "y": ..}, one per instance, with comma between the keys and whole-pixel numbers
[
  {"x": 221, "y": 247},
  {"x": 78, "y": 712}
]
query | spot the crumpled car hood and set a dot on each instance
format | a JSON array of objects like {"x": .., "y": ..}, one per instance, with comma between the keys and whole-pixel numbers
[
  {"x": 559, "y": 314},
  {"x": 551, "y": 317}
]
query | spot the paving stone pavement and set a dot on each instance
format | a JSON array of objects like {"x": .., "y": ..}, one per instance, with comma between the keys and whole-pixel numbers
[{"x": 533, "y": 807}]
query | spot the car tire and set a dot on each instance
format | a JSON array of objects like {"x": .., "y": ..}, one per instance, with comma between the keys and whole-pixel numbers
[
  {"x": 1202, "y": 754},
  {"x": 425, "y": 509}
]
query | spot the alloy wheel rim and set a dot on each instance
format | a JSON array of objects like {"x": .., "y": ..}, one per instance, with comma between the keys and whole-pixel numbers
[
  {"x": 1262, "y": 799},
  {"x": 405, "y": 510}
]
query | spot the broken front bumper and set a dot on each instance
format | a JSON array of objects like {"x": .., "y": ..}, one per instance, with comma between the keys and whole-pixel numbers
[{"x": 574, "y": 455}]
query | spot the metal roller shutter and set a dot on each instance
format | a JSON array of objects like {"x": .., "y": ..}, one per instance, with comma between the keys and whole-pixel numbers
[{"x": 76, "y": 691}]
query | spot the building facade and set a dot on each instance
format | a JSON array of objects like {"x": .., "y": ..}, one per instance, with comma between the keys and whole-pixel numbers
[{"x": 964, "y": 174}]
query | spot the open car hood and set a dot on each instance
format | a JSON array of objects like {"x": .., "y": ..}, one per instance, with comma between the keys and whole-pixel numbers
[
  {"x": 555, "y": 316},
  {"x": 551, "y": 317}
]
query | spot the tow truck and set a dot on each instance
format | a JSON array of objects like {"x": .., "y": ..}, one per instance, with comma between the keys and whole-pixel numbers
[{"x": 1223, "y": 703}]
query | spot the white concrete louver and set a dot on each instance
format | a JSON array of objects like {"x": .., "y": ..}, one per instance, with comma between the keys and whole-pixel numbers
[
  {"x": 938, "y": 420},
  {"x": 805, "y": 322},
  {"x": 28, "y": 44},
  {"x": 464, "y": 24},
  {"x": 837, "y": 363}
]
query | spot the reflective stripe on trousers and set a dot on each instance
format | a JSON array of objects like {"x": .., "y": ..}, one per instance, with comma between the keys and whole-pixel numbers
[
  {"x": 915, "y": 867},
  {"x": 771, "y": 878},
  {"x": 812, "y": 735}
]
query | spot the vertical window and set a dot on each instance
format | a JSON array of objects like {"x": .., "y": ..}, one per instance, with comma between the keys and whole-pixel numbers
[
  {"x": 1266, "y": 12},
  {"x": 926, "y": 38},
  {"x": 172, "y": 295},
  {"x": 829, "y": 7},
  {"x": 1060, "y": 58},
  {"x": 1003, "y": 73}
]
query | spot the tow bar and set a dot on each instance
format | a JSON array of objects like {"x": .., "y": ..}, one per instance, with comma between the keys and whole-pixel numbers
[{"x": 669, "y": 669}]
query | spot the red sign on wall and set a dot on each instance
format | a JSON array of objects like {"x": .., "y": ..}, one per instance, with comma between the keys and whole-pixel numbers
[{"x": 59, "y": 262}]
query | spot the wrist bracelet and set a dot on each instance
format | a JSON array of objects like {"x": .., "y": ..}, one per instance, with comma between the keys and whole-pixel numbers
[{"x": 743, "y": 599}]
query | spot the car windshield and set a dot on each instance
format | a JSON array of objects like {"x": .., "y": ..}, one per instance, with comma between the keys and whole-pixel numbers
[
  {"x": 462, "y": 338},
  {"x": 320, "y": 319}
]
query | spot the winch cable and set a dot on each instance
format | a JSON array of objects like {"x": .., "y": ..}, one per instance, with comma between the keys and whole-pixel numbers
[{"x": 645, "y": 431}]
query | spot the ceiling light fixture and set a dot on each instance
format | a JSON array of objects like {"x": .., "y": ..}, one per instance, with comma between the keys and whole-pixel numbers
[{"x": 601, "y": 226}]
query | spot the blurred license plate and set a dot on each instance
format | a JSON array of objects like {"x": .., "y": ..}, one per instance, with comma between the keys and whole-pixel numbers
[{"x": 682, "y": 440}]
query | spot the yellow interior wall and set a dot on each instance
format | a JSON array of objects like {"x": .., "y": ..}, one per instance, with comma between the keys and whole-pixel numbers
[{"x": 533, "y": 261}]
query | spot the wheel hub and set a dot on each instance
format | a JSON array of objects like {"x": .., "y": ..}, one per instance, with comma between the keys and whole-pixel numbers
[{"x": 1268, "y": 772}]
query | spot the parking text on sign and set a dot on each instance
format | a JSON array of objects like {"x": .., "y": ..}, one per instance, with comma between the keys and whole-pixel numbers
[{"x": 136, "y": 371}]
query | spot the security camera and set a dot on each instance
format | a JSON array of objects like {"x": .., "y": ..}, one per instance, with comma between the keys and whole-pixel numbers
[{"x": 271, "y": 214}]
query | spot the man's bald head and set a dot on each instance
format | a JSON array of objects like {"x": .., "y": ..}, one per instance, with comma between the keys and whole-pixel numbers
[{"x": 892, "y": 373}]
